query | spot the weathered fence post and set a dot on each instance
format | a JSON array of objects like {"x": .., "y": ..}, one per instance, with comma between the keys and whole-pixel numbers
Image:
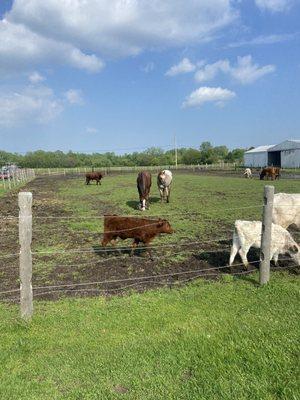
[
  {"x": 25, "y": 236},
  {"x": 266, "y": 235}
]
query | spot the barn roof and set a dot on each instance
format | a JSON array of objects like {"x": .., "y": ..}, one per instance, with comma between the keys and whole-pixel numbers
[
  {"x": 287, "y": 145},
  {"x": 260, "y": 149}
]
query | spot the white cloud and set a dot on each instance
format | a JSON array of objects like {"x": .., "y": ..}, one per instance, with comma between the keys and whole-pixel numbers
[
  {"x": 83, "y": 32},
  {"x": 265, "y": 39},
  {"x": 274, "y": 5},
  {"x": 35, "y": 77},
  {"x": 30, "y": 104},
  {"x": 149, "y": 67},
  {"x": 215, "y": 95},
  {"x": 209, "y": 71},
  {"x": 183, "y": 67},
  {"x": 74, "y": 96},
  {"x": 245, "y": 71},
  {"x": 90, "y": 129},
  {"x": 21, "y": 49}
]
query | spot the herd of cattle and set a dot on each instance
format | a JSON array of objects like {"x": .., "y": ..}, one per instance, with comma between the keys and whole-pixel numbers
[
  {"x": 247, "y": 234},
  {"x": 267, "y": 172}
]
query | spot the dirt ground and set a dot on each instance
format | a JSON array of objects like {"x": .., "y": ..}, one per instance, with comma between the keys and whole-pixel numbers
[{"x": 112, "y": 272}]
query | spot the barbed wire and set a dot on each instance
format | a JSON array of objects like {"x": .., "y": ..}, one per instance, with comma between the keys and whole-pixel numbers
[
  {"x": 3, "y": 217},
  {"x": 113, "y": 249},
  {"x": 137, "y": 278},
  {"x": 140, "y": 281}
]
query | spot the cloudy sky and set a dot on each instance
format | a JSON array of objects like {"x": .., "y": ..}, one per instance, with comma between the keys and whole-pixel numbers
[{"x": 97, "y": 75}]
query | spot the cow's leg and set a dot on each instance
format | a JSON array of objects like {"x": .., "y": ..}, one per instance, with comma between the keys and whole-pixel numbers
[
  {"x": 87, "y": 181},
  {"x": 148, "y": 249},
  {"x": 146, "y": 203},
  {"x": 106, "y": 239},
  {"x": 233, "y": 251},
  {"x": 243, "y": 251},
  {"x": 275, "y": 258},
  {"x": 161, "y": 195},
  {"x": 143, "y": 204},
  {"x": 134, "y": 245},
  {"x": 168, "y": 195}
]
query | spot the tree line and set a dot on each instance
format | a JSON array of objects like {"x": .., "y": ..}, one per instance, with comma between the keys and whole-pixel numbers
[{"x": 205, "y": 154}]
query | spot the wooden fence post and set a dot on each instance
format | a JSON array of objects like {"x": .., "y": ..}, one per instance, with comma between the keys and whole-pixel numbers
[
  {"x": 266, "y": 235},
  {"x": 25, "y": 236}
]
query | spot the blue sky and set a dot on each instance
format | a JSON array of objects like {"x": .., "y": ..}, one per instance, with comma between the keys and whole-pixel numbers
[{"x": 103, "y": 75}]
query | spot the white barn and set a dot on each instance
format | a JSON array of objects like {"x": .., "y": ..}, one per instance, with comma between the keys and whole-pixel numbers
[
  {"x": 257, "y": 157},
  {"x": 284, "y": 155}
]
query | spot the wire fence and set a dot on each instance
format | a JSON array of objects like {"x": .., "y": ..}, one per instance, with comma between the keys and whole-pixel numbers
[{"x": 62, "y": 262}]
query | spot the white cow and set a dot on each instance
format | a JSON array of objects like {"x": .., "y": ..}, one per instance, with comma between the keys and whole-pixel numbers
[
  {"x": 248, "y": 173},
  {"x": 164, "y": 181},
  {"x": 248, "y": 234},
  {"x": 286, "y": 209}
]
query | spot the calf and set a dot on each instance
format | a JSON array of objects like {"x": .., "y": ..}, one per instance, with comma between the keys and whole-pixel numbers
[
  {"x": 143, "y": 183},
  {"x": 141, "y": 230},
  {"x": 164, "y": 180},
  {"x": 248, "y": 234},
  {"x": 247, "y": 173},
  {"x": 286, "y": 209},
  {"x": 96, "y": 176}
]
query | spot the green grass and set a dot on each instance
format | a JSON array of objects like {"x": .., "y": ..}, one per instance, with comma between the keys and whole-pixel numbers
[
  {"x": 209, "y": 340},
  {"x": 218, "y": 200}
]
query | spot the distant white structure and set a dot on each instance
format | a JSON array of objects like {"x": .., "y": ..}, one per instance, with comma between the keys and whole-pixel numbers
[
  {"x": 284, "y": 155},
  {"x": 257, "y": 157}
]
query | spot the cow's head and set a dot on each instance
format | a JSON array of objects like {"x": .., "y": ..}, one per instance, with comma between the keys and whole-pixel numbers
[
  {"x": 262, "y": 174},
  {"x": 294, "y": 252},
  {"x": 164, "y": 226}
]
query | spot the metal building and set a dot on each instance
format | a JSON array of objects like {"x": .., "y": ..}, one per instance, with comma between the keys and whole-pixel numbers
[
  {"x": 257, "y": 157},
  {"x": 285, "y": 154}
]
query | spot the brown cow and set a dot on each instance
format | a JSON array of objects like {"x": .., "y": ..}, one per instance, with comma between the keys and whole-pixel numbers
[
  {"x": 93, "y": 176},
  {"x": 270, "y": 172},
  {"x": 144, "y": 184},
  {"x": 142, "y": 230}
]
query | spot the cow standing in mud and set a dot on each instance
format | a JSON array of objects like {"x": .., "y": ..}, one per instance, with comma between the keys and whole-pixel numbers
[
  {"x": 164, "y": 180},
  {"x": 141, "y": 230},
  {"x": 93, "y": 176},
  {"x": 144, "y": 185},
  {"x": 248, "y": 234}
]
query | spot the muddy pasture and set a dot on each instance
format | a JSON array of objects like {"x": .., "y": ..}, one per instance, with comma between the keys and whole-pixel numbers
[{"x": 67, "y": 231}]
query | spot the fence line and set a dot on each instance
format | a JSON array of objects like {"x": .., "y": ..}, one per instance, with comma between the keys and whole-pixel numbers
[
  {"x": 135, "y": 278},
  {"x": 12, "y": 217},
  {"x": 141, "y": 282},
  {"x": 17, "y": 178},
  {"x": 25, "y": 230}
]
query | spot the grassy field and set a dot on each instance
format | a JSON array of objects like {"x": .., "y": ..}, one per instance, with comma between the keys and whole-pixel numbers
[
  {"x": 207, "y": 341},
  {"x": 217, "y": 202}
]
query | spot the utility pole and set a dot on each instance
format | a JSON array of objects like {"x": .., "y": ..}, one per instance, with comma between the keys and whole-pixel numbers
[{"x": 175, "y": 147}]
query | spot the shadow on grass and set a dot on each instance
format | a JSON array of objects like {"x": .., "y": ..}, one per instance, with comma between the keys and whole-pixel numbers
[
  {"x": 135, "y": 204},
  {"x": 106, "y": 252}
]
